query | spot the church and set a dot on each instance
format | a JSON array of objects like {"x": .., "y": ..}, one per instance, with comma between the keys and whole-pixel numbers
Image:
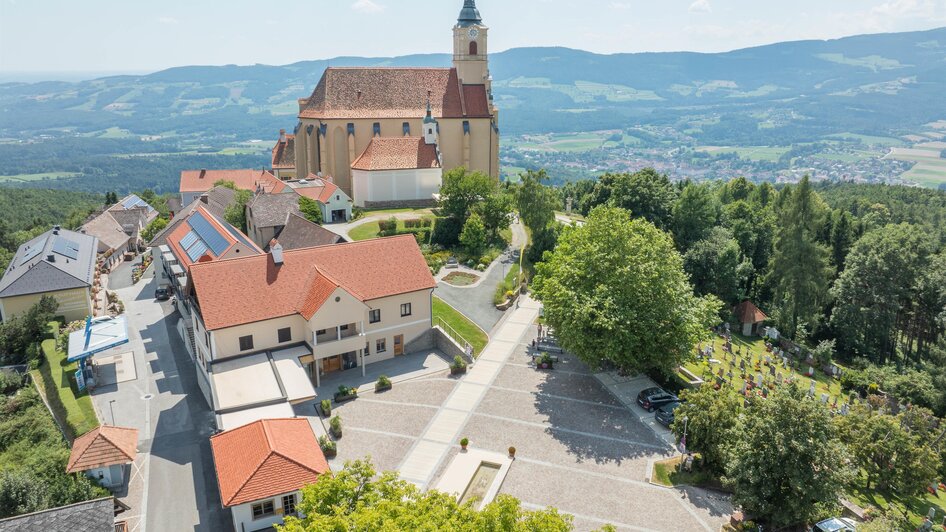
[{"x": 386, "y": 135}]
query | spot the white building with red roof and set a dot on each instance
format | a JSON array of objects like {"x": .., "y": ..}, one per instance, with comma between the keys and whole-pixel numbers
[
  {"x": 104, "y": 454},
  {"x": 262, "y": 467},
  {"x": 268, "y": 327},
  {"x": 197, "y": 182}
]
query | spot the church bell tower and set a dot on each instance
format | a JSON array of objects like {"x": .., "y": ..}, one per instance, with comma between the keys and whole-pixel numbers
[{"x": 470, "y": 46}]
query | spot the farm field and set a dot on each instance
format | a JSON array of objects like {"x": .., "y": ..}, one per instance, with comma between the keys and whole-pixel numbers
[
  {"x": 25, "y": 178},
  {"x": 930, "y": 167},
  {"x": 868, "y": 139},
  {"x": 754, "y": 153}
]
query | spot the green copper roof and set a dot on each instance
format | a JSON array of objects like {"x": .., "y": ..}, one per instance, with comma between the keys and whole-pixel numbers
[{"x": 469, "y": 15}]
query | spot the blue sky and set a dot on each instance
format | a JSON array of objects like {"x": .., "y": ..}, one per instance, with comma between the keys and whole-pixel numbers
[{"x": 142, "y": 36}]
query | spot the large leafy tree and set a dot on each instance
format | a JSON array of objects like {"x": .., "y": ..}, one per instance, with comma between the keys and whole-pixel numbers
[
  {"x": 235, "y": 213},
  {"x": 695, "y": 212},
  {"x": 310, "y": 210},
  {"x": 155, "y": 227},
  {"x": 614, "y": 289},
  {"x": 473, "y": 236},
  {"x": 355, "y": 499},
  {"x": 877, "y": 289},
  {"x": 786, "y": 465},
  {"x": 462, "y": 190},
  {"x": 710, "y": 418},
  {"x": 714, "y": 265},
  {"x": 535, "y": 201},
  {"x": 799, "y": 270},
  {"x": 647, "y": 194}
]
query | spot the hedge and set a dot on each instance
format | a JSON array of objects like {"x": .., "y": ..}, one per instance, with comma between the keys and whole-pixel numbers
[{"x": 56, "y": 378}]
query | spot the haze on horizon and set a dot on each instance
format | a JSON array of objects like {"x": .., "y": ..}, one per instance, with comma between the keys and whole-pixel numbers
[{"x": 112, "y": 36}]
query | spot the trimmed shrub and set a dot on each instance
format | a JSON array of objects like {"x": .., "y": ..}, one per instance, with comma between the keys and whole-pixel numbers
[{"x": 388, "y": 225}]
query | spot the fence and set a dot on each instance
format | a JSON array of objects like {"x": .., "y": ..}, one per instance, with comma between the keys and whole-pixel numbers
[{"x": 455, "y": 336}]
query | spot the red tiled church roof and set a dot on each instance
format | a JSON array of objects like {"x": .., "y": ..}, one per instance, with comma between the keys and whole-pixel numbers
[
  {"x": 252, "y": 289},
  {"x": 284, "y": 153},
  {"x": 203, "y": 180},
  {"x": 392, "y": 93},
  {"x": 103, "y": 446},
  {"x": 397, "y": 153},
  {"x": 746, "y": 312},
  {"x": 266, "y": 458}
]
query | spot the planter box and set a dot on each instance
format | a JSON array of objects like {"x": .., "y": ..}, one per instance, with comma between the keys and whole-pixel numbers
[
  {"x": 334, "y": 434},
  {"x": 330, "y": 453},
  {"x": 458, "y": 371},
  {"x": 379, "y": 389},
  {"x": 339, "y": 398},
  {"x": 325, "y": 413},
  {"x": 545, "y": 366}
]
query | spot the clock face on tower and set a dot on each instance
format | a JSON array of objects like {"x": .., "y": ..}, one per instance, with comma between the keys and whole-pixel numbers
[{"x": 474, "y": 33}]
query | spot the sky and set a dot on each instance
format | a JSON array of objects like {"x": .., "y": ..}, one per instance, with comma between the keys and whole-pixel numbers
[{"x": 144, "y": 36}]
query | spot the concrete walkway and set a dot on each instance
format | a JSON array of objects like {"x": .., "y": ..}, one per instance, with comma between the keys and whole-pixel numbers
[
  {"x": 343, "y": 229},
  {"x": 444, "y": 430}
]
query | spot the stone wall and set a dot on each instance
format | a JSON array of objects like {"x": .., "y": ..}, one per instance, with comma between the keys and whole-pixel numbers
[{"x": 436, "y": 338}]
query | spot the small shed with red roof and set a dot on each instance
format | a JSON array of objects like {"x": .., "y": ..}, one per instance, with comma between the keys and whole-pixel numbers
[
  {"x": 749, "y": 317},
  {"x": 104, "y": 454}
]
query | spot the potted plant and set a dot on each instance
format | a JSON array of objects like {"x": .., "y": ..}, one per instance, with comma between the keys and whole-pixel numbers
[
  {"x": 346, "y": 393},
  {"x": 512, "y": 452},
  {"x": 383, "y": 384},
  {"x": 545, "y": 361},
  {"x": 335, "y": 427},
  {"x": 463, "y": 443},
  {"x": 326, "y": 407},
  {"x": 458, "y": 366},
  {"x": 329, "y": 447}
]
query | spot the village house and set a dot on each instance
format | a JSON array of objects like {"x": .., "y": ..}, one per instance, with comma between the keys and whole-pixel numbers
[
  {"x": 268, "y": 327},
  {"x": 196, "y": 182},
  {"x": 57, "y": 263},
  {"x": 119, "y": 227},
  {"x": 261, "y": 468},
  {"x": 104, "y": 454},
  {"x": 284, "y": 156}
]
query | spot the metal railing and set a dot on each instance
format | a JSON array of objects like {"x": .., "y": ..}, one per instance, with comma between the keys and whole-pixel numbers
[{"x": 454, "y": 335}]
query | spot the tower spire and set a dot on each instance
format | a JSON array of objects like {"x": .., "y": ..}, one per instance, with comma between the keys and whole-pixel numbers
[{"x": 469, "y": 15}]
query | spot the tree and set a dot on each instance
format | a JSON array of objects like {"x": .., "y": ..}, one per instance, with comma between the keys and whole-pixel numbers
[
  {"x": 694, "y": 214},
  {"x": 111, "y": 198},
  {"x": 713, "y": 266},
  {"x": 786, "y": 466},
  {"x": 646, "y": 194},
  {"x": 799, "y": 265},
  {"x": 155, "y": 227},
  {"x": 462, "y": 190},
  {"x": 496, "y": 213},
  {"x": 535, "y": 201},
  {"x": 614, "y": 290},
  {"x": 356, "y": 499},
  {"x": 888, "y": 454},
  {"x": 310, "y": 210},
  {"x": 877, "y": 289},
  {"x": 842, "y": 236},
  {"x": 235, "y": 213},
  {"x": 225, "y": 184},
  {"x": 542, "y": 241},
  {"x": 21, "y": 331},
  {"x": 473, "y": 236},
  {"x": 711, "y": 420}
]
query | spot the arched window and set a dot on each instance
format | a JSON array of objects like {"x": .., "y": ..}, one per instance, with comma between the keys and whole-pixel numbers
[{"x": 474, "y": 49}]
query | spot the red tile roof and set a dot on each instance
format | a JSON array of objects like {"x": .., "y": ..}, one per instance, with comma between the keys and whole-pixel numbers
[
  {"x": 174, "y": 239},
  {"x": 746, "y": 312},
  {"x": 315, "y": 188},
  {"x": 284, "y": 153},
  {"x": 266, "y": 458},
  {"x": 253, "y": 289},
  {"x": 391, "y": 93},
  {"x": 203, "y": 180},
  {"x": 397, "y": 153},
  {"x": 103, "y": 446},
  {"x": 475, "y": 100}
]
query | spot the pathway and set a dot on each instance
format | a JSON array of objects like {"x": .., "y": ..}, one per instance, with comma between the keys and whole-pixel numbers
[{"x": 443, "y": 431}]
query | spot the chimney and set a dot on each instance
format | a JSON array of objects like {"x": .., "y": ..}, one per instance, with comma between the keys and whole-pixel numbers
[
  {"x": 51, "y": 258},
  {"x": 282, "y": 136},
  {"x": 203, "y": 172},
  {"x": 205, "y": 199},
  {"x": 275, "y": 249}
]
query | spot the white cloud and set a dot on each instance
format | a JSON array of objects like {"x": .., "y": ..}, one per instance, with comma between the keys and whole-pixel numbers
[
  {"x": 701, "y": 6},
  {"x": 367, "y": 6},
  {"x": 906, "y": 9},
  {"x": 168, "y": 20},
  {"x": 621, "y": 5}
]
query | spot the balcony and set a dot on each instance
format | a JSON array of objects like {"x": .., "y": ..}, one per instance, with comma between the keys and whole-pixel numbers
[{"x": 337, "y": 340}]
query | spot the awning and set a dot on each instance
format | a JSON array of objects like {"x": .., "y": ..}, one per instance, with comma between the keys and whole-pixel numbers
[
  {"x": 100, "y": 334},
  {"x": 168, "y": 257},
  {"x": 177, "y": 270},
  {"x": 295, "y": 378},
  {"x": 164, "y": 249}
]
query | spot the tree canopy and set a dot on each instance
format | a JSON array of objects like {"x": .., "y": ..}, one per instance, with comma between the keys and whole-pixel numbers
[{"x": 310, "y": 209}]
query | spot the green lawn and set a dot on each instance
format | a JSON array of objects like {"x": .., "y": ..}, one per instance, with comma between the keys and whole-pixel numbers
[
  {"x": 371, "y": 229},
  {"x": 667, "y": 473},
  {"x": 461, "y": 324},
  {"x": 460, "y": 278},
  {"x": 56, "y": 378},
  {"x": 915, "y": 507}
]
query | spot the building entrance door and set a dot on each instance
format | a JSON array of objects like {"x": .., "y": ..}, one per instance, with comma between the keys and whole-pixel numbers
[
  {"x": 399, "y": 345},
  {"x": 331, "y": 364}
]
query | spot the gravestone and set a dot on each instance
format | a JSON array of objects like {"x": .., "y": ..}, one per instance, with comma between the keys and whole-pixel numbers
[
  {"x": 811, "y": 371},
  {"x": 730, "y": 375},
  {"x": 824, "y": 398},
  {"x": 742, "y": 364},
  {"x": 844, "y": 409},
  {"x": 785, "y": 361},
  {"x": 772, "y": 370},
  {"x": 720, "y": 372},
  {"x": 743, "y": 390},
  {"x": 758, "y": 380},
  {"x": 765, "y": 393},
  {"x": 811, "y": 390},
  {"x": 778, "y": 377}
]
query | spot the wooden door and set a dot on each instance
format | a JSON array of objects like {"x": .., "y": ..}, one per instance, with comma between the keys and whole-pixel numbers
[
  {"x": 399, "y": 345},
  {"x": 331, "y": 364}
]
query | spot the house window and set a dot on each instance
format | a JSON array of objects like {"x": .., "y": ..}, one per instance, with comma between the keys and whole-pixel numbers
[
  {"x": 343, "y": 327},
  {"x": 263, "y": 509},
  {"x": 246, "y": 343},
  {"x": 380, "y": 345},
  {"x": 289, "y": 504},
  {"x": 207, "y": 338},
  {"x": 285, "y": 335},
  {"x": 374, "y": 315},
  {"x": 367, "y": 350},
  {"x": 405, "y": 309},
  {"x": 320, "y": 332}
]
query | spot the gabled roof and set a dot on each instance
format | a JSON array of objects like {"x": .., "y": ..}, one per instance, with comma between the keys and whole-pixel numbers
[
  {"x": 253, "y": 289},
  {"x": 315, "y": 188},
  {"x": 107, "y": 229},
  {"x": 218, "y": 199},
  {"x": 266, "y": 458},
  {"x": 300, "y": 233},
  {"x": 103, "y": 446},
  {"x": 397, "y": 153},
  {"x": 284, "y": 153},
  {"x": 31, "y": 272},
  {"x": 746, "y": 312},
  {"x": 203, "y": 180},
  {"x": 205, "y": 236},
  {"x": 97, "y": 515},
  {"x": 359, "y": 92},
  {"x": 272, "y": 210}
]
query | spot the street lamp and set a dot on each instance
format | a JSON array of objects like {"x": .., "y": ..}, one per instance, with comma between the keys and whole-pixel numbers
[
  {"x": 683, "y": 442},
  {"x": 111, "y": 411}
]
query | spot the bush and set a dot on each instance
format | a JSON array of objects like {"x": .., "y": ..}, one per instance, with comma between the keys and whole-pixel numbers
[
  {"x": 413, "y": 223},
  {"x": 10, "y": 382},
  {"x": 383, "y": 382},
  {"x": 347, "y": 390},
  {"x": 335, "y": 425},
  {"x": 458, "y": 362},
  {"x": 327, "y": 444},
  {"x": 388, "y": 225},
  {"x": 326, "y": 407},
  {"x": 357, "y": 212}
]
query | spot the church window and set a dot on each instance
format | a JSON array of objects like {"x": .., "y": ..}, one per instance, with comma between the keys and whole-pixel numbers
[
  {"x": 377, "y": 129},
  {"x": 474, "y": 49},
  {"x": 407, "y": 129}
]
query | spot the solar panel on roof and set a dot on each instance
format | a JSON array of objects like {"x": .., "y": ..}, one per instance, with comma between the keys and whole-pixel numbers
[
  {"x": 31, "y": 253},
  {"x": 197, "y": 251},
  {"x": 131, "y": 201},
  {"x": 208, "y": 233},
  {"x": 189, "y": 239},
  {"x": 65, "y": 247},
  {"x": 233, "y": 231}
]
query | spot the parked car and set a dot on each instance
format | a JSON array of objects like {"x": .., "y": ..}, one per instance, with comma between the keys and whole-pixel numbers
[
  {"x": 452, "y": 262},
  {"x": 162, "y": 293},
  {"x": 653, "y": 398},
  {"x": 836, "y": 524},
  {"x": 664, "y": 414}
]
